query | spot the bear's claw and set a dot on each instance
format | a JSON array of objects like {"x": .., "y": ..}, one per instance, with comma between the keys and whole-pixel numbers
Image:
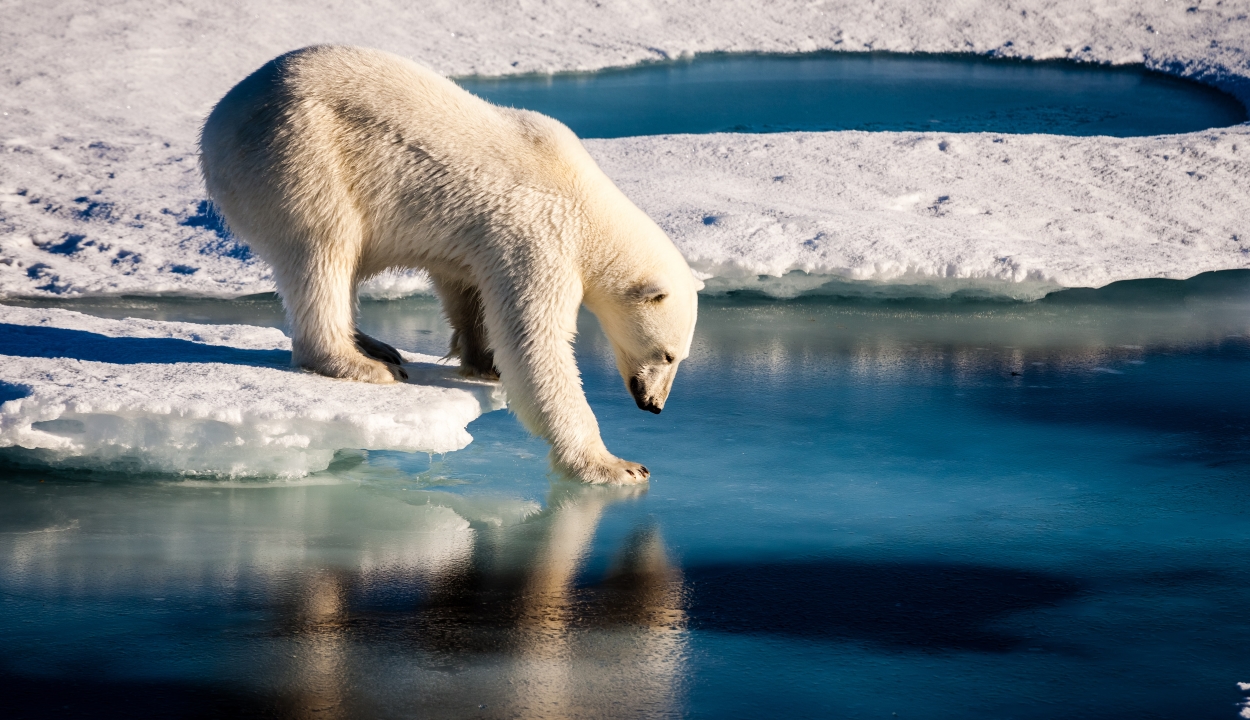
[
  {"x": 378, "y": 350},
  {"x": 612, "y": 471}
]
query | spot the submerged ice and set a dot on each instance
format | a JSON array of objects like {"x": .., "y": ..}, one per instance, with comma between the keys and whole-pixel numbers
[{"x": 201, "y": 399}]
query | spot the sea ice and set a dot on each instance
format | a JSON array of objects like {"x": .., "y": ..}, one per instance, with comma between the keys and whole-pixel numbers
[
  {"x": 207, "y": 399},
  {"x": 99, "y": 191},
  {"x": 1014, "y": 215}
]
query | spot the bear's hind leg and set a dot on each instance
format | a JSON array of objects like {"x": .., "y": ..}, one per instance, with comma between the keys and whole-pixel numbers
[{"x": 463, "y": 306}]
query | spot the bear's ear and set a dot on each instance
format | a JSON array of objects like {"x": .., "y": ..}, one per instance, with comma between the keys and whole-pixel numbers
[{"x": 648, "y": 292}]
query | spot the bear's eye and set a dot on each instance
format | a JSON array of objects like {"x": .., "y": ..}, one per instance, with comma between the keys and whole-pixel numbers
[
  {"x": 668, "y": 358},
  {"x": 658, "y": 298}
]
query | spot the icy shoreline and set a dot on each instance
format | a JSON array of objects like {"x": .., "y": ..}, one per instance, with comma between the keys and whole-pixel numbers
[
  {"x": 99, "y": 193},
  {"x": 216, "y": 400}
]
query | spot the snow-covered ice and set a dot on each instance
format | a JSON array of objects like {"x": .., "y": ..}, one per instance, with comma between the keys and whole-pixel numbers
[
  {"x": 100, "y": 105},
  {"x": 1017, "y": 215},
  {"x": 99, "y": 191},
  {"x": 207, "y": 399}
]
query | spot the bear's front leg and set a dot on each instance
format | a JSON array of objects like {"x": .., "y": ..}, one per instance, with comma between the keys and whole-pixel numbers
[{"x": 532, "y": 336}]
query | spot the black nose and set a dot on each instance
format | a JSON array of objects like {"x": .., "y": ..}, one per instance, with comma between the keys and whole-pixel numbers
[
  {"x": 644, "y": 404},
  {"x": 635, "y": 389}
]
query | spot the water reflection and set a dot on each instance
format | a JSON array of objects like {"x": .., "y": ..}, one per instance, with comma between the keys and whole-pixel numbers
[
  {"x": 320, "y": 619},
  {"x": 340, "y": 601},
  {"x": 879, "y": 507},
  {"x": 579, "y": 650},
  {"x": 1077, "y": 328},
  {"x": 895, "y": 341}
]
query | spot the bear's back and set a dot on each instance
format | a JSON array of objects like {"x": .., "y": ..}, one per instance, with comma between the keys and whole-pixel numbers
[
  {"x": 336, "y": 142},
  {"x": 371, "y": 110}
]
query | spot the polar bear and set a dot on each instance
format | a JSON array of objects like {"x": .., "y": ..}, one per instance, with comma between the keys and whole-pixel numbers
[{"x": 336, "y": 163}]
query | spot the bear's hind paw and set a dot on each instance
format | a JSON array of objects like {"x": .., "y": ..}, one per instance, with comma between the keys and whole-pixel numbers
[{"x": 476, "y": 373}]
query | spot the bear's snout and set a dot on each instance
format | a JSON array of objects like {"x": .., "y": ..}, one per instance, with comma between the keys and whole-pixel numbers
[{"x": 639, "y": 392}]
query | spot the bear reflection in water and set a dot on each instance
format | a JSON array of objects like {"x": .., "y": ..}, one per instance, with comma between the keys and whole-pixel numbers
[
  {"x": 338, "y": 601},
  {"x": 509, "y": 633}
]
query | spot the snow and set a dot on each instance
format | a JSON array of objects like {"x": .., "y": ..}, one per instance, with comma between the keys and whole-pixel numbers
[
  {"x": 1016, "y": 215},
  {"x": 396, "y": 283},
  {"x": 217, "y": 400},
  {"x": 101, "y": 102}
]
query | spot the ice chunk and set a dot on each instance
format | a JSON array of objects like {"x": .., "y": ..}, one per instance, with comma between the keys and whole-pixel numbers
[
  {"x": 393, "y": 284},
  {"x": 207, "y": 399}
]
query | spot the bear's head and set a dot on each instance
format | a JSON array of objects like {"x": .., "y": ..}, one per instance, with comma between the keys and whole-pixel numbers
[
  {"x": 635, "y": 281},
  {"x": 650, "y": 323}
]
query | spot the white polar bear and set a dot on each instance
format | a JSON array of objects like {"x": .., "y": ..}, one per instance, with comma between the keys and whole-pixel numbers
[{"x": 336, "y": 163}]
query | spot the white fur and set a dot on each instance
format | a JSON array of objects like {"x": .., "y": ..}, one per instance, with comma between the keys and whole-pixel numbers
[{"x": 336, "y": 163}]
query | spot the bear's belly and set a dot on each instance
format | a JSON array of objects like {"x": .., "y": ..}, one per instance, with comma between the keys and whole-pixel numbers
[{"x": 443, "y": 255}]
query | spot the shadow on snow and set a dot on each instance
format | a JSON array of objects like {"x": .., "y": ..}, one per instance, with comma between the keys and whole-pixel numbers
[{"x": 51, "y": 342}]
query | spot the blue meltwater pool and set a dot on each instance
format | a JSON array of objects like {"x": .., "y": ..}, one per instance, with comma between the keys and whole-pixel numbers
[
  {"x": 859, "y": 509},
  {"x": 867, "y": 91}
]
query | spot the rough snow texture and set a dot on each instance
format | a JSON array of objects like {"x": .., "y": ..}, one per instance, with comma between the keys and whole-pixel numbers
[
  {"x": 1012, "y": 214},
  {"x": 207, "y": 399},
  {"x": 99, "y": 191}
]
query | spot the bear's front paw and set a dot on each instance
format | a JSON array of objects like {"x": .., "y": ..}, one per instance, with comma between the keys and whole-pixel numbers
[
  {"x": 378, "y": 350},
  {"x": 362, "y": 369},
  {"x": 612, "y": 471}
]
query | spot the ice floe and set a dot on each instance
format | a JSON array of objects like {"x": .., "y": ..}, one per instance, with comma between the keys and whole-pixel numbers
[
  {"x": 1014, "y": 215},
  {"x": 99, "y": 191},
  {"x": 216, "y": 400}
]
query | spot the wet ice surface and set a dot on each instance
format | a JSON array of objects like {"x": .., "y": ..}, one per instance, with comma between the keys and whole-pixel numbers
[{"x": 858, "y": 509}]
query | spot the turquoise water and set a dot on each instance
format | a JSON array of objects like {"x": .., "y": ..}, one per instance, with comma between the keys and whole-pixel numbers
[
  {"x": 867, "y": 91},
  {"x": 934, "y": 509}
]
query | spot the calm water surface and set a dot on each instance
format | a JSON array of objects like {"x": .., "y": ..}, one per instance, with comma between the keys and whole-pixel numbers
[
  {"x": 859, "y": 509},
  {"x": 867, "y": 91}
]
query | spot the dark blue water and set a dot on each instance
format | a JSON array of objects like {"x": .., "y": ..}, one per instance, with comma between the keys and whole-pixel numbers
[
  {"x": 867, "y": 91},
  {"x": 859, "y": 509}
]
